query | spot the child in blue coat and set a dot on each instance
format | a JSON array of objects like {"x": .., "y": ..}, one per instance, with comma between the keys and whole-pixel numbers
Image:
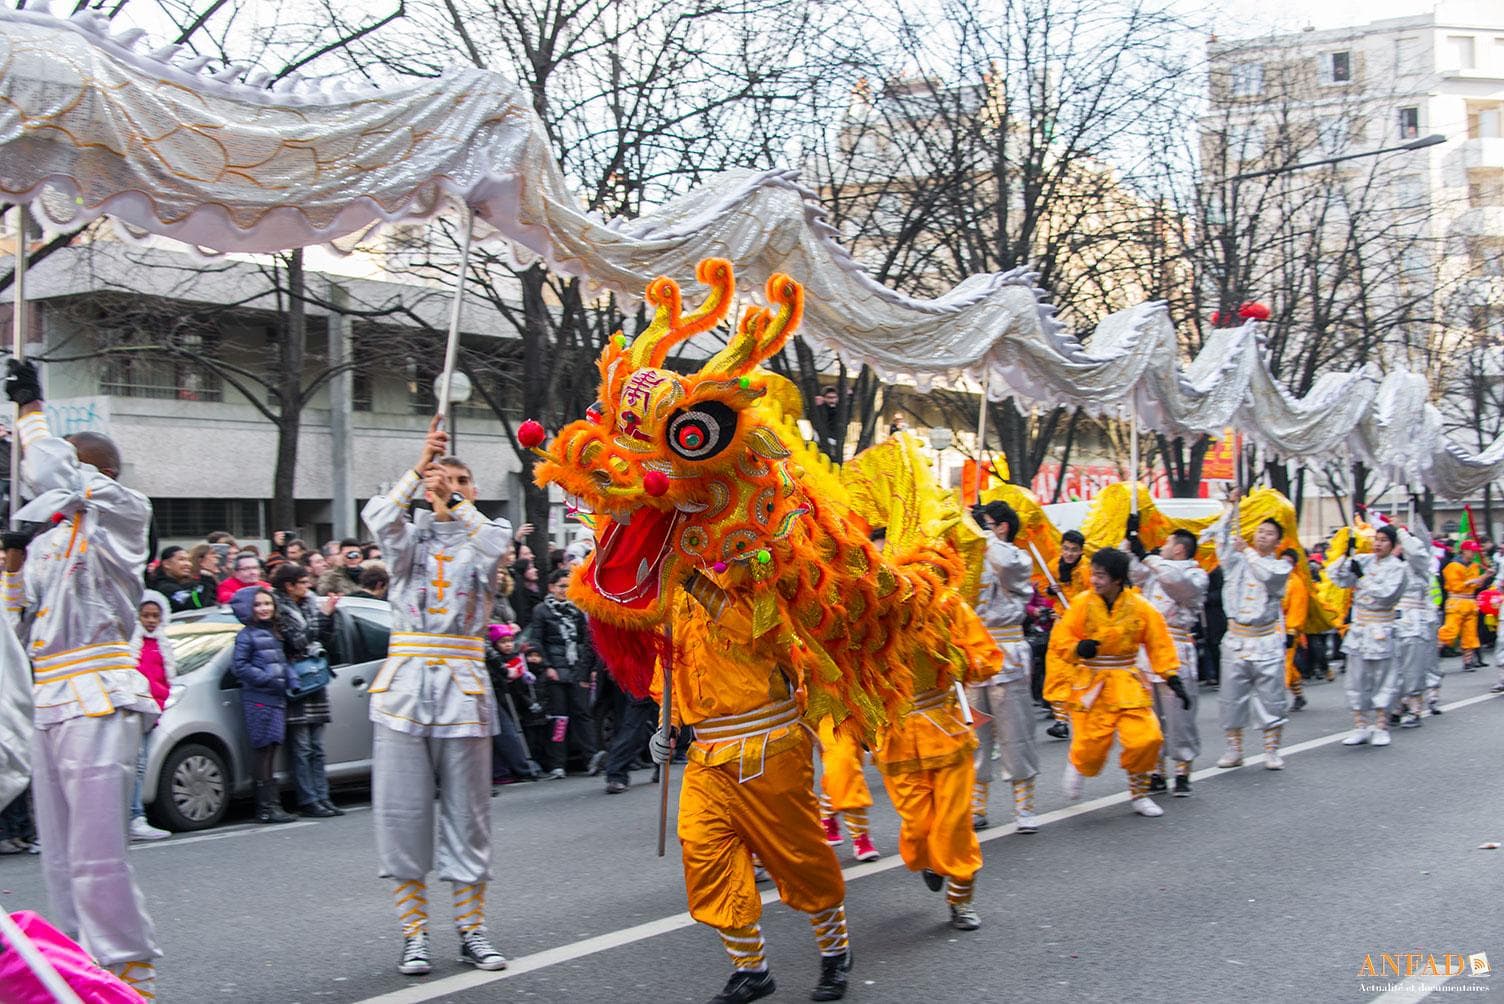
[{"x": 263, "y": 671}]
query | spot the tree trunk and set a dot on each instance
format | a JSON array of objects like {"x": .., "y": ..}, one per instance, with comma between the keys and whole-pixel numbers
[
  {"x": 292, "y": 349},
  {"x": 1360, "y": 487},
  {"x": 1183, "y": 467}
]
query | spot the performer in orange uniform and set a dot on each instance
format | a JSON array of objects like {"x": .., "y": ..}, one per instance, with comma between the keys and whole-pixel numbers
[
  {"x": 748, "y": 790},
  {"x": 1090, "y": 669},
  {"x": 1295, "y": 606},
  {"x": 1072, "y": 579},
  {"x": 1462, "y": 578},
  {"x": 844, "y": 792},
  {"x": 927, "y": 764}
]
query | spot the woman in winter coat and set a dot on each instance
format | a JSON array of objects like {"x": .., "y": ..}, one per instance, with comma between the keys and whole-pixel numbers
[
  {"x": 305, "y": 625},
  {"x": 262, "y": 669}
]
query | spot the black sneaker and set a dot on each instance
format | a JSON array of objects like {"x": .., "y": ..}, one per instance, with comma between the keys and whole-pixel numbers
[
  {"x": 316, "y": 810},
  {"x": 1182, "y": 787},
  {"x": 833, "y": 970},
  {"x": 476, "y": 949},
  {"x": 1059, "y": 730},
  {"x": 980, "y": 822},
  {"x": 935, "y": 881},
  {"x": 1157, "y": 783},
  {"x": 1394, "y": 718},
  {"x": 743, "y": 987},
  {"x": 1300, "y": 703},
  {"x": 415, "y": 955},
  {"x": 1434, "y": 708},
  {"x": 615, "y": 787},
  {"x": 334, "y": 810}
]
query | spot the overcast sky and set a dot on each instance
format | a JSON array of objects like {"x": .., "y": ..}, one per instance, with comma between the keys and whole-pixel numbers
[{"x": 1242, "y": 18}]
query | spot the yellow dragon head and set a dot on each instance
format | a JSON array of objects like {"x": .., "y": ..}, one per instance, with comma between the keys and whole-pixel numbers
[{"x": 685, "y": 472}]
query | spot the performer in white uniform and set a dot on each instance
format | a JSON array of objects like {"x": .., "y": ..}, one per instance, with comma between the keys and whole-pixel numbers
[
  {"x": 1378, "y": 581},
  {"x": 431, "y": 701},
  {"x": 1253, "y": 650},
  {"x": 1176, "y": 586},
  {"x": 72, "y": 594},
  {"x": 1006, "y": 590},
  {"x": 1415, "y": 630}
]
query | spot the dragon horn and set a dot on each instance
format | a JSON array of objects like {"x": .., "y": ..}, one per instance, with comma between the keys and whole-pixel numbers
[
  {"x": 669, "y": 328},
  {"x": 762, "y": 333}
]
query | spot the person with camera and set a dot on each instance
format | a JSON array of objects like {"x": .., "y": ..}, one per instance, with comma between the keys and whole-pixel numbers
[
  {"x": 305, "y": 624},
  {"x": 431, "y": 702},
  {"x": 73, "y": 580}
]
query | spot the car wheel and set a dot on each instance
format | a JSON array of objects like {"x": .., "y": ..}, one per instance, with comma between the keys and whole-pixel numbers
[{"x": 194, "y": 792}]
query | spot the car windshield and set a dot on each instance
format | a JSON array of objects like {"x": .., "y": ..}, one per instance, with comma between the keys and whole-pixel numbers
[{"x": 195, "y": 645}]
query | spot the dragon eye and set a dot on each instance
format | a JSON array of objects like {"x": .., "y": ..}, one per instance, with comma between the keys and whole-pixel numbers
[{"x": 701, "y": 431}]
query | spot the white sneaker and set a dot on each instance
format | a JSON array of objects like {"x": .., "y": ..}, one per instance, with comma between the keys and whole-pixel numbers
[
  {"x": 1072, "y": 782},
  {"x": 1360, "y": 737},
  {"x": 142, "y": 830},
  {"x": 1380, "y": 737},
  {"x": 1027, "y": 822},
  {"x": 1231, "y": 758},
  {"x": 1273, "y": 761},
  {"x": 1145, "y": 807}
]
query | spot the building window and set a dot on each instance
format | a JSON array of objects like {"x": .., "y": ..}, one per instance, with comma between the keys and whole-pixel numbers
[
  {"x": 1485, "y": 186},
  {"x": 159, "y": 375},
  {"x": 1409, "y": 123},
  {"x": 1245, "y": 143},
  {"x": 1336, "y": 67},
  {"x": 1331, "y": 134},
  {"x": 1409, "y": 191},
  {"x": 1247, "y": 80},
  {"x": 361, "y": 397},
  {"x": 421, "y": 374},
  {"x": 1460, "y": 53},
  {"x": 1485, "y": 119},
  {"x": 188, "y": 519}
]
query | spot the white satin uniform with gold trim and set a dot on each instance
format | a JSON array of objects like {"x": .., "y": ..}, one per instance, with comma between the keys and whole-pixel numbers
[
  {"x": 431, "y": 701},
  {"x": 74, "y": 605}
]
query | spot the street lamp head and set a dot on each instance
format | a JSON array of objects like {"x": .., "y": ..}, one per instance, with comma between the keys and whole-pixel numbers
[{"x": 1420, "y": 144}]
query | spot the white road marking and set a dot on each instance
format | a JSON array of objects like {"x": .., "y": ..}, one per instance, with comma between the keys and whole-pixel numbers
[{"x": 422, "y": 992}]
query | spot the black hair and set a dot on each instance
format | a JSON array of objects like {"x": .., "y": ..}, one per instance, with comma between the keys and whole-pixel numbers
[
  {"x": 557, "y": 574},
  {"x": 168, "y": 552},
  {"x": 287, "y": 574},
  {"x": 1274, "y": 523},
  {"x": 1290, "y": 553},
  {"x": 1187, "y": 538},
  {"x": 1002, "y": 512},
  {"x": 373, "y": 576},
  {"x": 1390, "y": 532},
  {"x": 1113, "y": 562},
  {"x": 348, "y": 542},
  {"x": 1072, "y": 537}
]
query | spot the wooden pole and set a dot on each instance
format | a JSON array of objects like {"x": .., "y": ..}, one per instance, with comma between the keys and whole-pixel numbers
[
  {"x": 19, "y": 323},
  {"x": 451, "y": 348},
  {"x": 666, "y": 725}
]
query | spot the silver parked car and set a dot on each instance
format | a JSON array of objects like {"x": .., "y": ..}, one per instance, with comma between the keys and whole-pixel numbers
[{"x": 198, "y": 757}]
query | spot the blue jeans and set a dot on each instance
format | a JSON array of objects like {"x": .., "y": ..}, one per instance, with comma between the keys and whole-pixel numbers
[
  {"x": 137, "y": 809},
  {"x": 307, "y": 746}
]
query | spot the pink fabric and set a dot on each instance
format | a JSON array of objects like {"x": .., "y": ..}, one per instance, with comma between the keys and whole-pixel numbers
[
  {"x": 232, "y": 585},
  {"x": 93, "y": 984},
  {"x": 154, "y": 669}
]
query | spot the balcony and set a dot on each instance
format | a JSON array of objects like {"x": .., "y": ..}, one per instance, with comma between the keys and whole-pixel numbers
[
  {"x": 1479, "y": 221},
  {"x": 1473, "y": 153}
]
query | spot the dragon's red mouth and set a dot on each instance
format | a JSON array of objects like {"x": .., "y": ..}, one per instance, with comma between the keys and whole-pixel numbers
[{"x": 628, "y": 565}]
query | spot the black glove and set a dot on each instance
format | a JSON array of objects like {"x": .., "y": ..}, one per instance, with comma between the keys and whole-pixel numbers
[
  {"x": 1174, "y": 684},
  {"x": 1133, "y": 524},
  {"x": 1137, "y": 546},
  {"x": 1357, "y": 568},
  {"x": 23, "y": 384},
  {"x": 1352, "y": 539},
  {"x": 1087, "y": 648},
  {"x": 1289, "y": 641}
]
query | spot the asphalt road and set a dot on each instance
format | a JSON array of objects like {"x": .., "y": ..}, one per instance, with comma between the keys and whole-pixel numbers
[{"x": 1263, "y": 886}]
